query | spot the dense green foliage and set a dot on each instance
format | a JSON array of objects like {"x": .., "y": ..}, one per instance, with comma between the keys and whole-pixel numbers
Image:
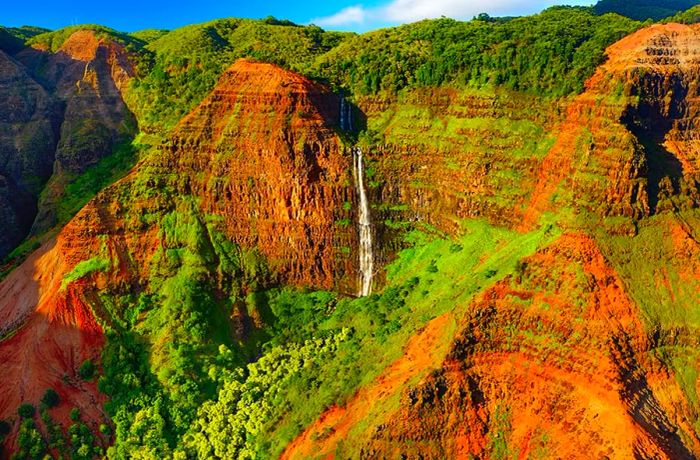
[
  {"x": 175, "y": 369},
  {"x": 644, "y": 9},
  {"x": 30, "y": 441},
  {"x": 187, "y": 62},
  {"x": 82, "y": 188},
  {"x": 207, "y": 357},
  {"x": 551, "y": 53},
  {"x": 26, "y": 410},
  {"x": 12, "y": 39}
]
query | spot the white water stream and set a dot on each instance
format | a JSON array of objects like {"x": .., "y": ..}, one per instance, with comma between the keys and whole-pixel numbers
[
  {"x": 364, "y": 222},
  {"x": 365, "y": 226}
]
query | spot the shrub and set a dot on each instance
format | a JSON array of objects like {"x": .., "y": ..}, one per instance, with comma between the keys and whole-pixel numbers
[
  {"x": 50, "y": 398},
  {"x": 86, "y": 370},
  {"x": 75, "y": 414}
]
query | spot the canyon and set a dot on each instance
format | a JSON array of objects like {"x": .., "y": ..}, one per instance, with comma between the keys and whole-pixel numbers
[{"x": 479, "y": 272}]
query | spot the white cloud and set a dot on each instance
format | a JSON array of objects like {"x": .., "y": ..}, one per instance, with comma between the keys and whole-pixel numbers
[
  {"x": 403, "y": 11},
  {"x": 346, "y": 16}
]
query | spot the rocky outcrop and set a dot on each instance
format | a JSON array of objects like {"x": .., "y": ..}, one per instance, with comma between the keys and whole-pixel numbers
[
  {"x": 28, "y": 125},
  {"x": 629, "y": 146},
  {"x": 551, "y": 362},
  {"x": 262, "y": 151},
  {"x": 260, "y": 155},
  {"x": 63, "y": 112},
  {"x": 441, "y": 155},
  {"x": 88, "y": 74},
  {"x": 563, "y": 357}
]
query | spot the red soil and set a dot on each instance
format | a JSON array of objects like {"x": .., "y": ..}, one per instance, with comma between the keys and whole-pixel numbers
[{"x": 51, "y": 333}]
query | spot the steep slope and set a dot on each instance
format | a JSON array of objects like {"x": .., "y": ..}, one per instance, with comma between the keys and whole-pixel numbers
[
  {"x": 535, "y": 372},
  {"x": 588, "y": 346},
  {"x": 89, "y": 75},
  {"x": 546, "y": 305},
  {"x": 28, "y": 126},
  {"x": 628, "y": 146},
  {"x": 251, "y": 183},
  {"x": 66, "y": 113},
  {"x": 262, "y": 152},
  {"x": 549, "y": 364},
  {"x": 643, "y": 9}
]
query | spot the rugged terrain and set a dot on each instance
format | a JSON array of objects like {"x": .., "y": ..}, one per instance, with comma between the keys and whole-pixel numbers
[
  {"x": 66, "y": 113},
  {"x": 537, "y": 248}
]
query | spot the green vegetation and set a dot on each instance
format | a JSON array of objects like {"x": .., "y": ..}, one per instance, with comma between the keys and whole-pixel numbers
[
  {"x": 31, "y": 443},
  {"x": 50, "y": 398},
  {"x": 656, "y": 277},
  {"x": 551, "y": 53},
  {"x": 82, "y": 188},
  {"x": 498, "y": 435},
  {"x": 37, "y": 442},
  {"x": 644, "y": 9},
  {"x": 84, "y": 268},
  {"x": 179, "y": 385},
  {"x": 53, "y": 40},
  {"x": 26, "y": 410},
  {"x": 186, "y": 63},
  {"x": 12, "y": 39},
  {"x": 87, "y": 369},
  {"x": 208, "y": 356},
  {"x": 690, "y": 16}
]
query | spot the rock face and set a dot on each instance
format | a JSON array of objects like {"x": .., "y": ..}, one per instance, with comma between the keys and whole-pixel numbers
[
  {"x": 567, "y": 355},
  {"x": 262, "y": 152},
  {"x": 576, "y": 375},
  {"x": 28, "y": 125},
  {"x": 552, "y": 362},
  {"x": 65, "y": 113},
  {"x": 629, "y": 145},
  {"x": 88, "y": 75},
  {"x": 447, "y": 155},
  {"x": 260, "y": 155}
]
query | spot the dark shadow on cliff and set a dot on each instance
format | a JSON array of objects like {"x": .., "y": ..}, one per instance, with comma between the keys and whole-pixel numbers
[
  {"x": 80, "y": 125},
  {"x": 651, "y": 128}
]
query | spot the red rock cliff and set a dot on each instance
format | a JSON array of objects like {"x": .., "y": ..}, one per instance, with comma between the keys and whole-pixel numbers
[{"x": 261, "y": 150}]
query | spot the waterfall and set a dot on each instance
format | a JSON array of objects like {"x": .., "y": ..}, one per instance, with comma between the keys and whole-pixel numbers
[
  {"x": 365, "y": 226},
  {"x": 345, "y": 115},
  {"x": 364, "y": 223}
]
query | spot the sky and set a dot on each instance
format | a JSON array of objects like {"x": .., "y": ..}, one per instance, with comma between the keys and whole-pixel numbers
[{"x": 353, "y": 15}]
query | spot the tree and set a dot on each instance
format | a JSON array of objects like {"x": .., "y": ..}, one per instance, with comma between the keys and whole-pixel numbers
[{"x": 26, "y": 410}]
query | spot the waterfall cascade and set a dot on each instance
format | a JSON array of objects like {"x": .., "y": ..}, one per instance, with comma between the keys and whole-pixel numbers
[
  {"x": 364, "y": 221},
  {"x": 365, "y": 226}
]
